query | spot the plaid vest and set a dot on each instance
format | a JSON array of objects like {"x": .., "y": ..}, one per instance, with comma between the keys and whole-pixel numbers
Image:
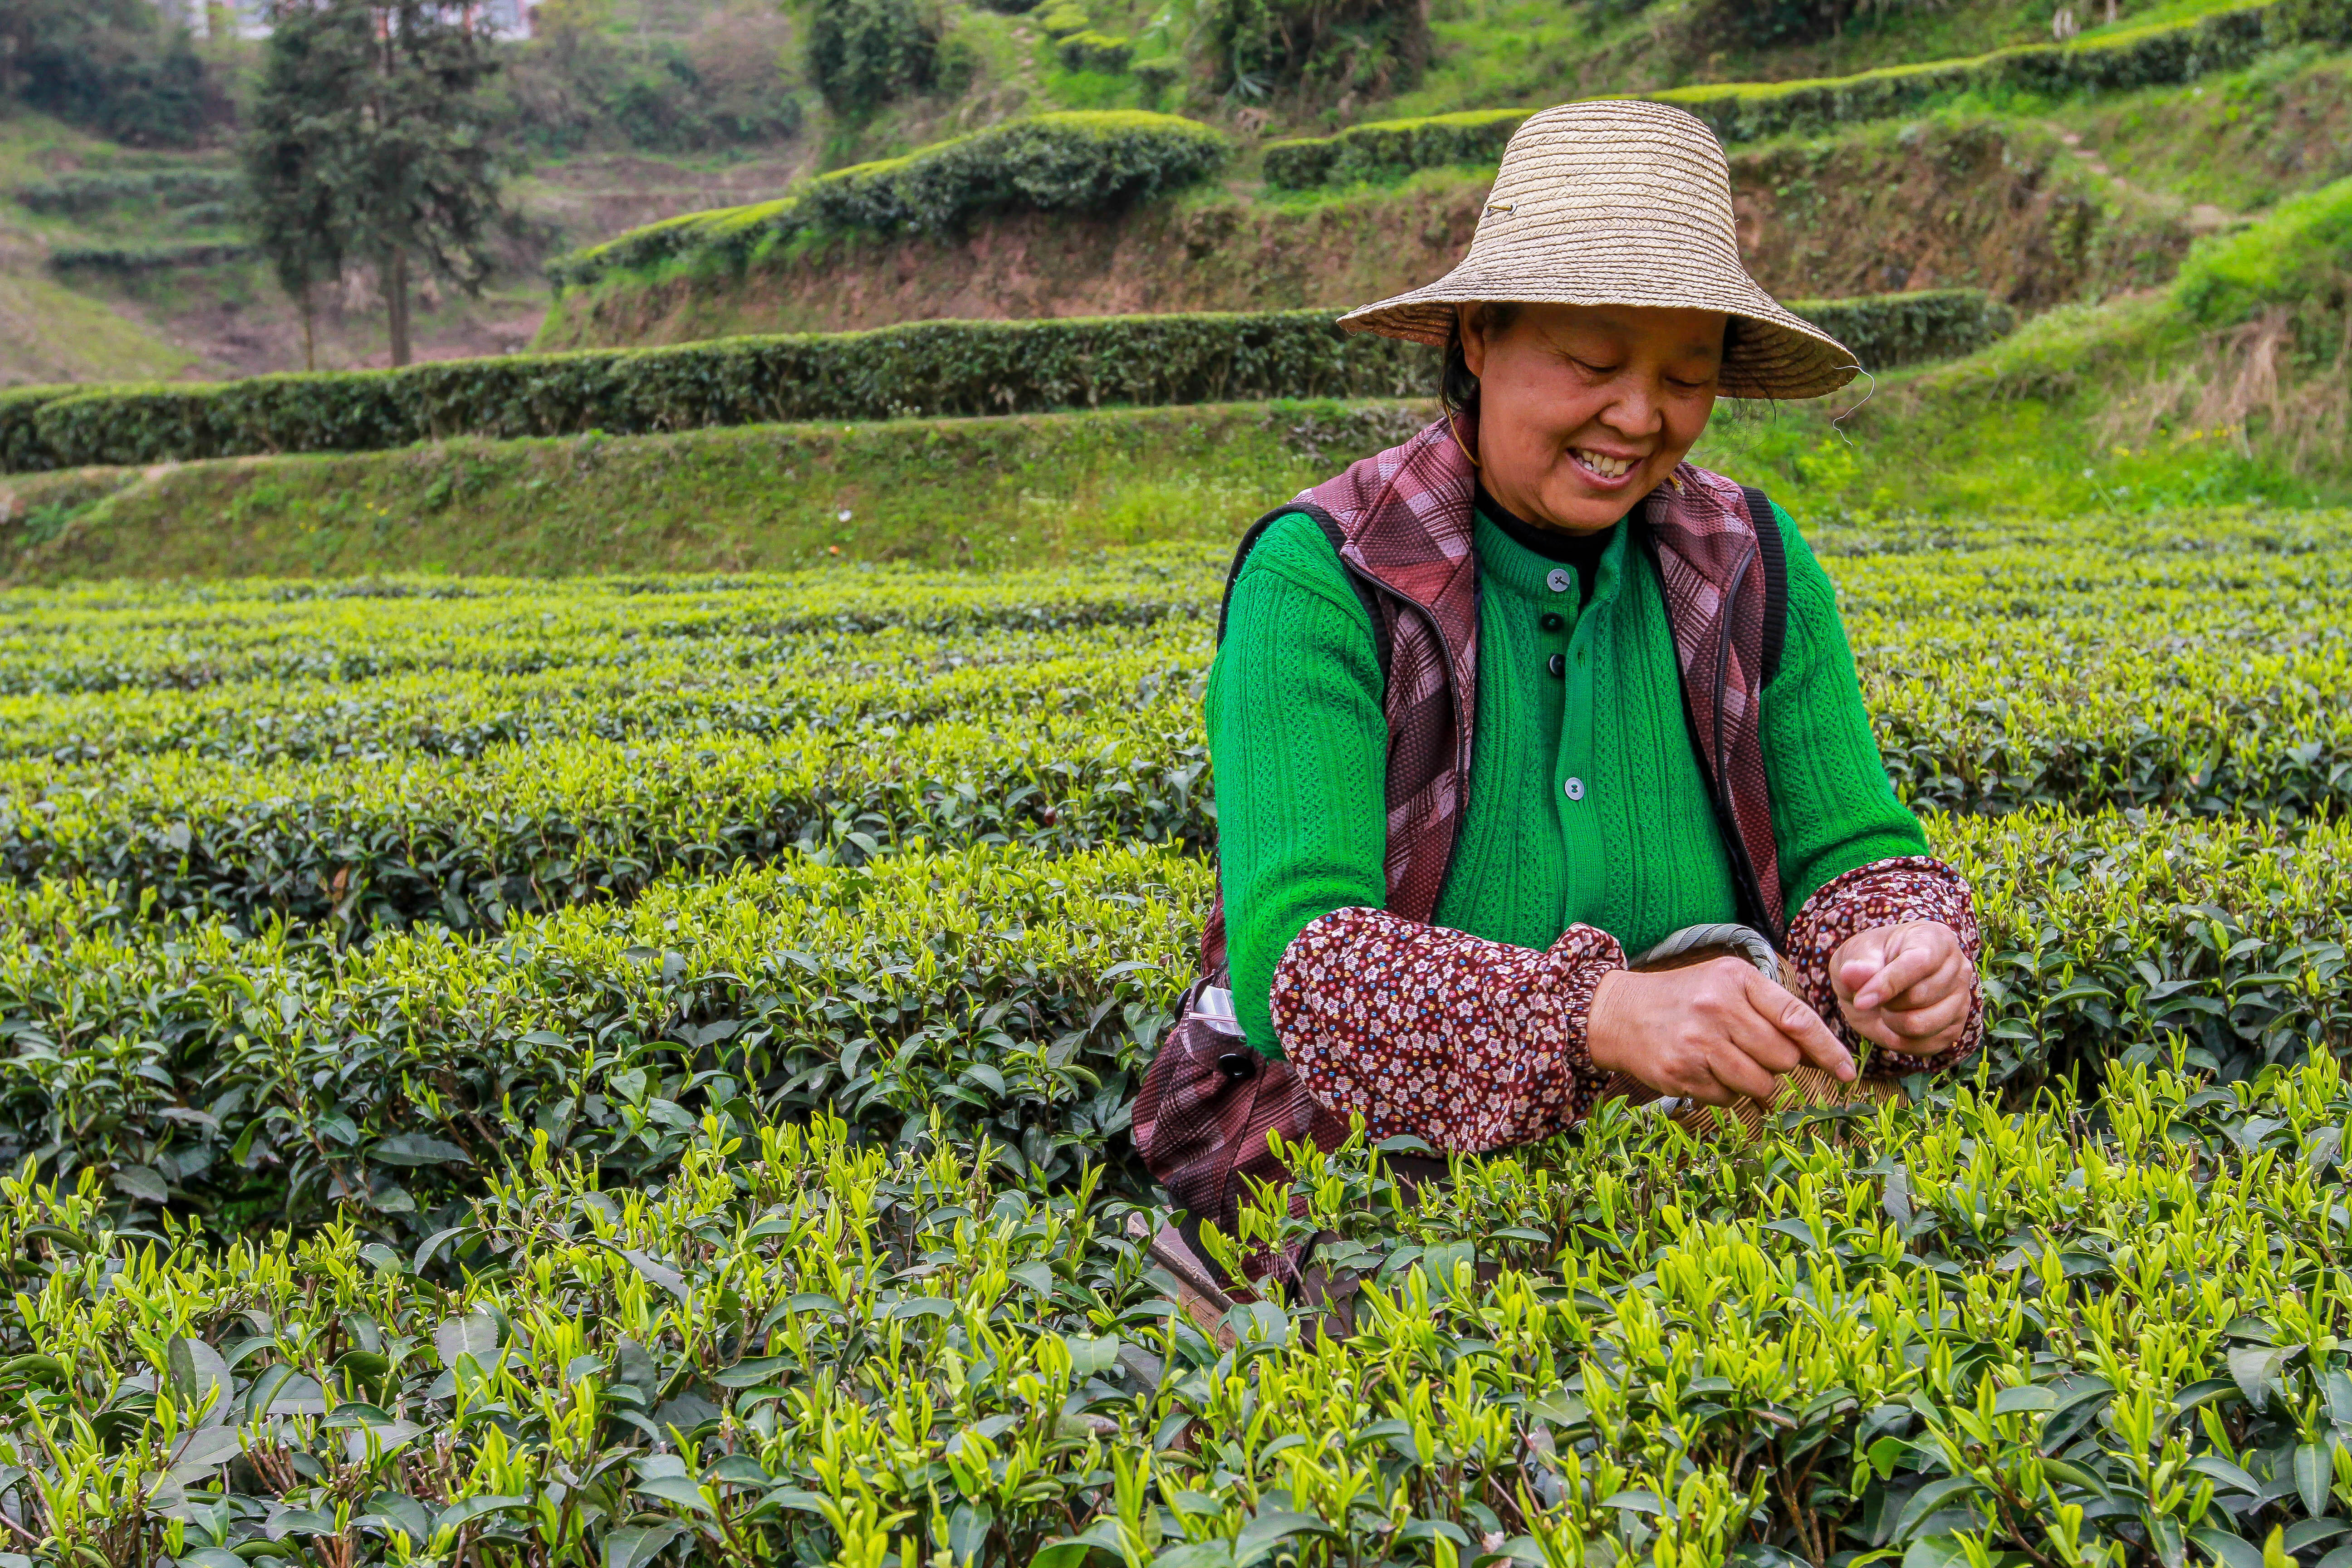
[{"x": 1401, "y": 522}]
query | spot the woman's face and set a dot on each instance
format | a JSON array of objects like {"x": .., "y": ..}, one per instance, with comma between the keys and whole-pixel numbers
[{"x": 1583, "y": 410}]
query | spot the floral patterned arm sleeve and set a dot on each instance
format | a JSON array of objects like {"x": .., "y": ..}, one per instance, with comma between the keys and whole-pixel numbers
[
  {"x": 1466, "y": 1044},
  {"x": 1886, "y": 893}
]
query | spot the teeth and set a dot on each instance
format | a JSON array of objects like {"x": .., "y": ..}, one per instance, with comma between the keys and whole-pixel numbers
[{"x": 1607, "y": 468}]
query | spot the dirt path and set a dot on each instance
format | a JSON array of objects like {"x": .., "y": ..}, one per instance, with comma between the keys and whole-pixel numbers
[{"x": 2202, "y": 218}]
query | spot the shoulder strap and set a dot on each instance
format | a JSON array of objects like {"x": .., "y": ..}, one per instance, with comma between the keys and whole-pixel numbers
[
  {"x": 1772, "y": 554},
  {"x": 1331, "y": 531}
]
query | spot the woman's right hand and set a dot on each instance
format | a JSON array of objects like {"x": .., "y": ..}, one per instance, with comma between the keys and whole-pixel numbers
[{"x": 1712, "y": 1032}]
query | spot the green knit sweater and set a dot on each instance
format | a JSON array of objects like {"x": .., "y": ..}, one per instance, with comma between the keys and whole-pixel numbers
[{"x": 1586, "y": 805}]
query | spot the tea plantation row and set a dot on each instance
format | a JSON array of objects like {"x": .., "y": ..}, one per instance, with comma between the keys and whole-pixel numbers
[
  {"x": 691, "y": 1028},
  {"x": 469, "y": 759},
  {"x": 1957, "y": 1335},
  {"x": 1006, "y": 990}
]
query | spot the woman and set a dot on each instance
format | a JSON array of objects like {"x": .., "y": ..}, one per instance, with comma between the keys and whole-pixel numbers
[{"x": 1528, "y": 693}]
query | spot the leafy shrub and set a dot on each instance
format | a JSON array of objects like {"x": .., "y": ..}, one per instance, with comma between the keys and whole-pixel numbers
[
  {"x": 2154, "y": 56},
  {"x": 1320, "y": 46},
  {"x": 163, "y": 258},
  {"x": 1934, "y": 1331},
  {"x": 862, "y": 53},
  {"x": 1070, "y": 161},
  {"x": 570, "y": 87},
  {"x": 921, "y": 368},
  {"x": 936, "y": 367},
  {"x": 1888, "y": 330},
  {"x": 1062, "y": 17},
  {"x": 1387, "y": 149},
  {"x": 1086, "y": 160},
  {"x": 22, "y": 450},
  {"x": 1093, "y": 51},
  {"x": 2145, "y": 57},
  {"x": 80, "y": 195},
  {"x": 116, "y": 67}
]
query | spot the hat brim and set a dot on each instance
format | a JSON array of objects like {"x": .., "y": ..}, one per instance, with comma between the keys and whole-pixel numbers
[{"x": 1779, "y": 355}]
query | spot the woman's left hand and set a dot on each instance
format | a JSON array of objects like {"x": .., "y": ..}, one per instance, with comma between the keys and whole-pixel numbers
[{"x": 1905, "y": 986}]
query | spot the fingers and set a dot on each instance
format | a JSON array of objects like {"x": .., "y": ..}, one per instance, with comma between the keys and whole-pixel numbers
[
  {"x": 1788, "y": 1017},
  {"x": 1913, "y": 958},
  {"x": 1924, "y": 1031},
  {"x": 1737, "y": 1069}
]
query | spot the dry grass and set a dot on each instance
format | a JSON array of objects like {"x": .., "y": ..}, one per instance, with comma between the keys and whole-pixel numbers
[{"x": 2256, "y": 382}]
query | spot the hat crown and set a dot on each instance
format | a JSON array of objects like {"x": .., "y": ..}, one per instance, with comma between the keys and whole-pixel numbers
[
  {"x": 1619, "y": 202},
  {"x": 1612, "y": 181}
]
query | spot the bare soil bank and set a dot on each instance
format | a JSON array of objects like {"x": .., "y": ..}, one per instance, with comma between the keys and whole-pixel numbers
[{"x": 1988, "y": 204}]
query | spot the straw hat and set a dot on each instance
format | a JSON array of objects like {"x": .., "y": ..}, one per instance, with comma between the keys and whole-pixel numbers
[{"x": 1621, "y": 203}]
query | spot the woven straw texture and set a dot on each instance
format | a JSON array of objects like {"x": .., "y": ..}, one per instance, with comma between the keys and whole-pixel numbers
[{"x": 1621, "y": 203}]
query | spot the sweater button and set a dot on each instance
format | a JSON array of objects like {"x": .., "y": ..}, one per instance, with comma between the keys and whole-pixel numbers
[
  {"x": 1574, "y": 789},
  {"x": 1559, "y": 663},
  {"x": 1559, "y": 582},
  {"x": 1552, "y": 623}
]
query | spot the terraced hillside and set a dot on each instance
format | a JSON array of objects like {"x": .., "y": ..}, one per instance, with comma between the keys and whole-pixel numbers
[{"x": 1987, "y": 170}]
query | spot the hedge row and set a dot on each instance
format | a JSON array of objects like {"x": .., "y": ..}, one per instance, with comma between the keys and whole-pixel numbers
[
  {"x": 1885, "y": 331},
  {"x": 920, "y": 369},
  {"x": 147, "y": 257},
  {"x": 1957, "y": 1335},
  {"x": 1013, "y": 992},
  {"x": 96, "y": 190},
  {"x": 924, "y": 368},
  {"x": 2146, "y": 57},
  {"x": 1082, "y": 160},
  {"x": 1390, "y": 149}
]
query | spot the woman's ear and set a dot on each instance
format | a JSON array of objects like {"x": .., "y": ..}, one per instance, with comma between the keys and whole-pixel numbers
[{"x": 1473, "y": 316}]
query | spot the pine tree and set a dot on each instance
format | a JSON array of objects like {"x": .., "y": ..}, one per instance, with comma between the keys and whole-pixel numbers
[{"x": 370, "y": 140}]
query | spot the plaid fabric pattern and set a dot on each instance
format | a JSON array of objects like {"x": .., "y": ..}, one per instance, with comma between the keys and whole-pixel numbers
[{"x": 1203, "y": 1115}]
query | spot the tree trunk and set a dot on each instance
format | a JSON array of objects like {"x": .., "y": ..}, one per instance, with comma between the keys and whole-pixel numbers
[
  {"x": 395, "y": 294},
  {"x": 310, "y": 337}
]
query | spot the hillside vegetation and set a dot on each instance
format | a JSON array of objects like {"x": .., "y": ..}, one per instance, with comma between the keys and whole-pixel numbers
[{"x": 1962, "y": 200}]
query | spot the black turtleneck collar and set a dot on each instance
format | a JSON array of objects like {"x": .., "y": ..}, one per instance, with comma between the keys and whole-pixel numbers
[{"x": 1580, "y": 551}]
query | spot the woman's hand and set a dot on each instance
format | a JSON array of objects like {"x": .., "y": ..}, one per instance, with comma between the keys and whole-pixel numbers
[
  {"x": 1905, "y": 986},
  {"x": 1712, "y": 1032}
]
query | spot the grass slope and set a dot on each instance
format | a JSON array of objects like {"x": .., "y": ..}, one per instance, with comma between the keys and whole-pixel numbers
[{"x": 977, "y": 492}]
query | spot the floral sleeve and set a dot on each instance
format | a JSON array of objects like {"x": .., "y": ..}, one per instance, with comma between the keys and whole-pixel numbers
[
  {"x": 1464, "y": 1043},
  {"x": 1885, "y": 893}
]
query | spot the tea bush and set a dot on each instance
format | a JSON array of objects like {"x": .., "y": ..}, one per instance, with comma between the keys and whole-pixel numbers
[
  {"x": 1093, "y": 51},
  {"x": 920, "y": 368},
  {"x": 1071, "y": 159},
  {"x": 1012, "y": 991},
  {"x": 1954, "y": 1331},
  {"x": 1390, "y": 149},
  {"x": 924, "y": 368},
  {"x": 688, "y": 1027},
  {"x": 2158, "y": 54}
]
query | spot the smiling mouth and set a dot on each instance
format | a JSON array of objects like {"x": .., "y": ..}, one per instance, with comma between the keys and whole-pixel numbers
[{"x": 1601, "y": 466}]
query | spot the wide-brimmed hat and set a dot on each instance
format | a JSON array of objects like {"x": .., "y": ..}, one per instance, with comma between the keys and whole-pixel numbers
[{"x": 1621, "y": 203}]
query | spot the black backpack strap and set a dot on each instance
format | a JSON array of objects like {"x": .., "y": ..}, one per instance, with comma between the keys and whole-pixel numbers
[
  {"x": 1331, "y": 527},
  {"x": 1772, "y": 554}
]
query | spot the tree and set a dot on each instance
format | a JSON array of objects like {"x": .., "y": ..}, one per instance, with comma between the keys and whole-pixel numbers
[
  {"x": 117, "y": 67},
  {"x": 371, "y": 138},
  {"x": 864, "y": 53}
]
